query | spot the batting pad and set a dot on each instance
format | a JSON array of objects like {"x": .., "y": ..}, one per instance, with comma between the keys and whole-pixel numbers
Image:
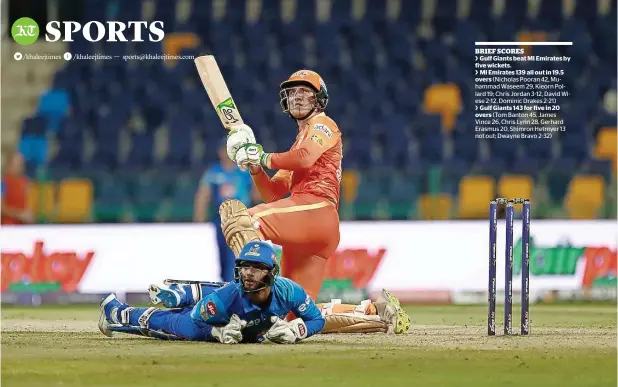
[
  {"x": 237, "y": 225},
  {"x": 345, "y": 323}
]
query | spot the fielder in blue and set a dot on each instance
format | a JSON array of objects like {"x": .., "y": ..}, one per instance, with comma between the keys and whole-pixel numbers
[
  {"x": 222, "y": 181},
  {"x": 251, "y": 309}
]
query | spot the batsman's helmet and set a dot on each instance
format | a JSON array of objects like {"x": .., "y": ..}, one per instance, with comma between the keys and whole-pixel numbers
[
  {"x": 258, "y": 253},
  {"x": 306, "y": 78}
]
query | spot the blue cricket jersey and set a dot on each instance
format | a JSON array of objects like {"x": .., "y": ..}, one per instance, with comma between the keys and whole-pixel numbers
[
  {"x": 228, "y": 184},
  {"x": 217, "y": 308}
]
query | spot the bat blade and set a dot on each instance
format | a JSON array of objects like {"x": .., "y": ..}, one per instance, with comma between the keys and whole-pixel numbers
[{"x": 218, "y": 92}]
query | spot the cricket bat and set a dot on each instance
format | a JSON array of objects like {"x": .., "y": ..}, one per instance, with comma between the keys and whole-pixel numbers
[{"x": 217, "y": 90}]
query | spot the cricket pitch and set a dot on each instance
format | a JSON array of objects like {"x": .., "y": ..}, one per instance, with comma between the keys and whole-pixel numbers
[{"x": 447, "y": 346}]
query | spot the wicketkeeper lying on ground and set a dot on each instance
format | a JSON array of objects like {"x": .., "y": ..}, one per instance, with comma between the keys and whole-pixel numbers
[
  {"x": 248, "y": 310},
  {"x": 384, "y": 315},
  {"x": 251, "y": 309}
]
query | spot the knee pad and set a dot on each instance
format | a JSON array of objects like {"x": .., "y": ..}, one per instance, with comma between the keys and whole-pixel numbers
[{"x": 237, "y": 225}]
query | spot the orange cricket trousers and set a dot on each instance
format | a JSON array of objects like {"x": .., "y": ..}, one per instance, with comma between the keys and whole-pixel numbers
[{"x": 307, "y": 227}]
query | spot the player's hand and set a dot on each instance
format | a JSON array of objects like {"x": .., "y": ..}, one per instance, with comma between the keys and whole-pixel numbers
[
  {"x": 283, "y": 332},
  {"x": 238, "y": 136},
  {"x": 251, "y": 155},
  {"x": 231, "y": 333}
]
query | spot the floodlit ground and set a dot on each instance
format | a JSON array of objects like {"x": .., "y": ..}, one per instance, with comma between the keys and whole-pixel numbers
[{"x": 569, "y": 346}]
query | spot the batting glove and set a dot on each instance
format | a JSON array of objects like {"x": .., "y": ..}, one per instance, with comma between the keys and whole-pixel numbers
[
  {"x": 283, "y": 332},
  {"x": 231, "y": 333},
  {"x": 239, "y": 136},
  {"x": 252, "y": 154}
]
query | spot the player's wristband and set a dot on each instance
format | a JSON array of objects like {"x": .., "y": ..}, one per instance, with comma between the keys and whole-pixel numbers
[{"x": 265, "y": 160}]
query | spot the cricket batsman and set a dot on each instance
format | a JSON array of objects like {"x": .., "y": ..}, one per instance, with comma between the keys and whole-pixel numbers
[
  {"x": 249, "y": 310},
  {"x": 305, "y": 224}
]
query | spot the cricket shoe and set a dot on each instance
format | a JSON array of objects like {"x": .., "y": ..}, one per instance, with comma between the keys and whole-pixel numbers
[
  {"x": 116, "y": 317},
  {"x": 111, "y": 308},
  {"x": 390, "y": 311},
  {"x": 170, "y": 296}
]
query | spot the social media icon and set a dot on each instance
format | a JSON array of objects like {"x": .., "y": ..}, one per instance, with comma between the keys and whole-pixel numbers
[
  {"x": 67, "y": 56},
  {"x": 18, "y": 56}
]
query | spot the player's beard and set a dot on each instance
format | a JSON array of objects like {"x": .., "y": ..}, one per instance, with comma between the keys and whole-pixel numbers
[{"x": 251, "y": 283}]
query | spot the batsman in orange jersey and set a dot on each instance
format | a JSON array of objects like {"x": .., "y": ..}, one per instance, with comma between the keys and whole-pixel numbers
[{"x": 305, "y": 224}]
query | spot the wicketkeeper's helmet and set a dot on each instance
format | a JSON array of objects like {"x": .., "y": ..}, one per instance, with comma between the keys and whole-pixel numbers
[{"x": 261, "y": 253}]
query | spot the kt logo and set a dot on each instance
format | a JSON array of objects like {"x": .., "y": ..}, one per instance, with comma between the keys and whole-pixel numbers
[{"x": 25, "y": 31}]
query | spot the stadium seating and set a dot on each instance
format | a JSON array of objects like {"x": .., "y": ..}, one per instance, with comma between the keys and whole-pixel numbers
[
  {"x": 585, "y": 197},
  {"x": 42, "y": 199},
  {"x": 349, "y": 186},
  {"x": 435, "y": 207},
  {"x": 74, "y": 200},
  {"x": 444, "y": 99},
  {"x": 606, "y": 144},
  {"x": 516, "y": 186},
  {"x": 403, "y": 101},
  {"x": 475, "y": 193}
]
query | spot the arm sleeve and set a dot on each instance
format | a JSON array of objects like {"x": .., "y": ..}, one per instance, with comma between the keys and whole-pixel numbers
[
  {"x": 272, "y": 189},
  {"x": 308, "y": 152},
  {"x": 304, "y": 308},
  {"x": 210, "y": 310}
]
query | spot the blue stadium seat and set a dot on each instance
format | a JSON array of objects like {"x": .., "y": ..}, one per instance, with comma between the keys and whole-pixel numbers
[
  {"x": 466, "y": 33},
  {"x": 371, "y": 190},
  {"x": 493, "y": 167},
  {"x": 149, "y": 193},
  {"x": 601, "y": 167},
  {"x": 70, "y": 141},
  {"x": 432, "y": 147},
  {"x": 378, "y": 105},
  {"x": 129, "y": 11},
  {"x": 452, "y": 171},
  {"x": 360, "y": 150},
  {"x": 515, "y": 11},
  {"x": 466, "y": 147},
  {"x": 604, "y": 38},
  {"x": 575, "y": 144},
  {"x": 480, "y": 13},
  {"x": 527, "y": 166},
  {"x": 142, "y": 150},
  {"x": 180, "y": 142},
  {"x": 183, "y": 196},
  {"x": 540, "y": 149},
  {"x": 110, "y": 197},
  {"x": 410, "y": 14},
  {"x": 105, "y": 156},
  {"x": 506, "y": 150},
  {"x": 403, "y": 191},
  {"x": 551, "y": 12},
  {"x": 165, "y": 11},
  {"x": 559, "y": 175},
  {"x": 585, "y": 11}
]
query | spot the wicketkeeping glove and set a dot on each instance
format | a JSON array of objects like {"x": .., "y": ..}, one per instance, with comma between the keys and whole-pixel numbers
[
  {"x": 252, "y": 154},
  {"x": 231, "y": 333},
  {"x": 283, "y": 332}
]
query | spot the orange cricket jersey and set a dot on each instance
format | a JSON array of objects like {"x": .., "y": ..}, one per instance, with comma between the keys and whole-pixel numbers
[{"x": 314, "y": 160}]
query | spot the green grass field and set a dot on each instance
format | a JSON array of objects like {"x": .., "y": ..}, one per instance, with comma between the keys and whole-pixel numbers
[{"x": 569, "y": 346}]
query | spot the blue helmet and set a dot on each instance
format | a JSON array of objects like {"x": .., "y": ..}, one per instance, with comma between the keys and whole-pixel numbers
[{"x": 260, "y": 253}]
